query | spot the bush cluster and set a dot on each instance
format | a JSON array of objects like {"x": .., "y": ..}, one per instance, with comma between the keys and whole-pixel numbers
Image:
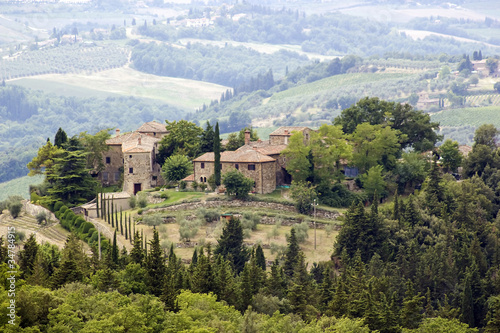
[{"x": 77, "y": 224}]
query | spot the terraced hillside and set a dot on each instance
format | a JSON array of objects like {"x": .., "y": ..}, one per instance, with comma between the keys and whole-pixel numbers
[{"x": 52, "y": 233}]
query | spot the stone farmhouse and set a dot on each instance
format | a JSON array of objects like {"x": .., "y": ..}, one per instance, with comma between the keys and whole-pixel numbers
[
  {"x": 131, "y": 158},
  {"x": 258, "y": 160}
]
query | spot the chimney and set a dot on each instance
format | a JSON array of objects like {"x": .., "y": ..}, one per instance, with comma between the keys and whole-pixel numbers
[
  {"x": 286, "y": 132},
  {"x": 247, "y": 137},
  {"x": 139, "y": 141},
  {"x": 117, "y": 132}
]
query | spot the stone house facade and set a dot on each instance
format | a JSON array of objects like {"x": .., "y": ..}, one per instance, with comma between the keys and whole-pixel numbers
[
  {"x": 131, "y": 159},
  {"x": 258, "y": 160}
]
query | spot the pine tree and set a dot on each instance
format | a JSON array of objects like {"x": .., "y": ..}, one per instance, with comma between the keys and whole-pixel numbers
[
  {"x": 224, "y": 283},
  {"x": 245, "y": 288},
  {"x": 276, "y": 284},
  {"x": 202, "y": 280},
  {"x": 27, "y": 257},
  {"x": 230, "y": 244},
  {"x": 155, "y": 266},
  {"x": 217, "y": 165},
  {"x": 292, "y": 254},
  {"x": 137, "y": 253},
  {"x": 411, "y": 312},
  {"x": 395, "y": 212},
  {"x": 260, "y": 260},
  {"x": 61, "y": 138},
  {"x": 434, "y": 192}
]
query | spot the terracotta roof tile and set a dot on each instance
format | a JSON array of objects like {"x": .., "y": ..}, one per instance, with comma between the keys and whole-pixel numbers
[
  {"x": 152, "y": 126},
  {"x": 139, "y": 143},
  {"x": 287, "y": 130},
  {"x": 239, "y": 156},
  {"x": 189, "y": 178}
]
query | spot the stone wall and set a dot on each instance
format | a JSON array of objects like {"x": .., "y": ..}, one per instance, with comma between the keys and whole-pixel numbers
[
  {"x": 320, "y": 213},
  {"x": 141, "y": 166},
  {"x": 113, "y": 169},
  {"x": 34, "y": 210}
]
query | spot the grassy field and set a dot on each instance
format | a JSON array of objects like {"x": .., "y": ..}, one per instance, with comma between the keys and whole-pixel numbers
[
  {"x": 469, "y": 116},
  {"x": 260, "y": 47},
  {"x": 182, "y": 93},
  {"x": 18, "y": 186},
  {"x": 331, "y": 82}
]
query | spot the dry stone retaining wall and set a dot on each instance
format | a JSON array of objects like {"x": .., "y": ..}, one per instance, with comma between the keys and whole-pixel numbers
[
  {"x": 34, "y": 210},
  {"x": 237, "y": 203}
]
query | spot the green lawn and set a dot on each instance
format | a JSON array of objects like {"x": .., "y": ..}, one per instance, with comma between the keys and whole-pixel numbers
[{"x": 175, "y": 196}]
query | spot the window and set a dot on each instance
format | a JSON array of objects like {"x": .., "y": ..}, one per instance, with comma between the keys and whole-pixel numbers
[
  {"x": 201, "y": 179},
  {"x": 117, "y": 176},
  {"x": 251, "y": 167},
  {"x": 130, "y": 170},
  {"x": 154, "y": 177},
  {"x": 108, "y": 160},
  {"x": 237, "y": 166},
  {"x": 204, "y": 179},
  {"x": 202, "y": 165},
  {"x": 104, "y": 176},
  {"x": 129, "y": 156}
]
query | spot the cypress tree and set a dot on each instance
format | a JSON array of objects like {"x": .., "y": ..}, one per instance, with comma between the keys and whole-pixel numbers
[
  {"x": 194, "y": 258},
  {"x": 260, "y": 260},
  {"x": 130, "y": 228},
  {"x": 276, "y": 284},
  {"x": 246, "y": 290},
  {"x": 203, "y": 279},
  {"x": 112, "y": 213},
  {"x": 217, "y": 165},
  {"x": 97, "y": 203},
  {"x": 434, "y": 193},
  {"x": 114, "y": 251},
  {"x": 126, "y": 231},
  {"x": 121, "y": 222},
  {"x": 395, "y": 212}
]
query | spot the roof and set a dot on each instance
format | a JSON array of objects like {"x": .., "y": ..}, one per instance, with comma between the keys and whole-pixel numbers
[
  {"x": 189, "y": 178},
  {"x": 152, "y": 127},
  {"x": 119, "y": 139},
  {"x": 139, "y": 143},
  {"x": 238, "y": 156},
  {"x": 287, "y": 130},
  {"x": 465, "y": 150},
  {"x": 266, "y": 149}
]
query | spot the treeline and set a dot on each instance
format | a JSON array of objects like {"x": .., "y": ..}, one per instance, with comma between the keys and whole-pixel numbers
[
  {"x": 332, "y": 33},
  {"x": 212, "y": 63},
  {"x": 23, "y": 130}
]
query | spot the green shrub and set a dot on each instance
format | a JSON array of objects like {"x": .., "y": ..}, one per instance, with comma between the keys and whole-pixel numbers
[
  {"x": 15, "y": 209},
  {"x": 90, "y": 233},
  {"x": 57, "y": 206},
  {"x": 68, "y": 215},
  {"x": 157, "y": 188},
  {"x": 132, "y": 201},
  {"x": 182, "y": 185},
  {"x": 139, "y": 212},
  {"x": 164, "y": 195},
  {"x": 86, "y": 227},
  {"x": 78, "y": 222},
  {"x": 142, "y": 201},
  {"x": 34, "y": 198}
]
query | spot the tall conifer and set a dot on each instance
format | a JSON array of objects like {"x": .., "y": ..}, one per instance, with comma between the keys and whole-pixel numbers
[{"x": 217, "y": 165}]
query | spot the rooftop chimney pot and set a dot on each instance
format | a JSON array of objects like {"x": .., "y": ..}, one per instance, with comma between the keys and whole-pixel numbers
[
  {"x": 247, "y": 137},
  {"x": 117, "y": 132}
]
